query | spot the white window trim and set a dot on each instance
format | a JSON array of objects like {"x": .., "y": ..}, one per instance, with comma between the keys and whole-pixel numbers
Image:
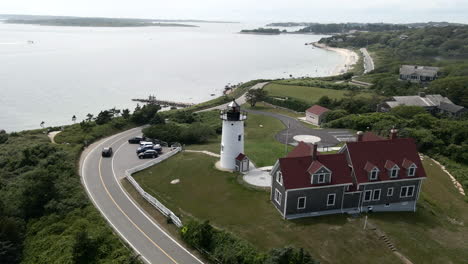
[
  {"x": 390, "y": 191},
  {"x": 370, "y": 196},
  {"x": 373, "y": 194},
  {"x": 324, "y": 177},
  {"x": 279, "y": 177},
  {"x": 406, "y": 192},
  {"x": 278, "y": 197},
  {"x": 395, "y": 168},
  {"x": 305, "y": 200},
  {"x": 376, "y": 174},
  {"x": 414, "y": 170},
  {"x": 334, "y": 199}
]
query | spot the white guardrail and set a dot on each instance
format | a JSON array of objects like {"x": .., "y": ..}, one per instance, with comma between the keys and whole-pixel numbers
[{"x": 153, "y": 201}]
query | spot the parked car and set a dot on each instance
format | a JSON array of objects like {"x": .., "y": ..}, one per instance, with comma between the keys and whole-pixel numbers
[
  {"x": 144, "y": 148},
  {"x": 135, "y": 140},
  {"x": 158, "y": 148},
  {"x": 143, "y": 143},
  {"x": 107, "y": 152},
  {"x": 150, "y": 153}
]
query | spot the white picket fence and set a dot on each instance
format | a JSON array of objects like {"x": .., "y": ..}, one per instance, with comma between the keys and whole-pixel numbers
[{"x": 153, "y": 201}]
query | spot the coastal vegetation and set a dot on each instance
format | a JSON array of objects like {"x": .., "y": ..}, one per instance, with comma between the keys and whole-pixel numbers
[
  {"x": 347, "y": 27},
  {"x": 267, "y": 31},
  {"x": 45, "y": 216}
]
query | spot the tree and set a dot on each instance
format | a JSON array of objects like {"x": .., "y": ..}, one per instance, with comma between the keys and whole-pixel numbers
[
  {"x": 103, "y": 117},
  {"x": 89, "y": 117},
  {"x": 3, "y": 136},
  {"x": 255, "y": 95},
  {"x": 407, "y": 111},
  {"x": 126, "y": 113}
]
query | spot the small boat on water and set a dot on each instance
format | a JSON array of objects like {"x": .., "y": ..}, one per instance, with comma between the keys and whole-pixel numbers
[{"x": 212, "y": 94}]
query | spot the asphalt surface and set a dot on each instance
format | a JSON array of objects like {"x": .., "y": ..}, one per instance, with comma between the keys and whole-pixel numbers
[
  {"x": 329, "y": 137},
  {"x": 101, "y": 178},
  {"x": 368, "y": 62}
]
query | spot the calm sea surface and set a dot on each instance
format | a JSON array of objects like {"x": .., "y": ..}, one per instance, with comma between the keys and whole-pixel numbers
[{"x": 74, "y": 71}]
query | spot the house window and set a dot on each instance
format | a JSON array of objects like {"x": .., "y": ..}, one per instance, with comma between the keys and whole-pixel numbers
[
  {"x": 376, "y": 195},
  {"x": 390, "y": 191},
  {"x": 331, "y": 199},
  {"x": 412, "y": 170},
  {"x": 407, "y": 191},
  {"x": 239, "y": 137},
  {"x": 394, "y": 172},
  {"x": 321, "y": 178},
  {"x": 374, "y": 174},
  {"x": 222, "y": 148},
  {"x": 278, "y": 197},
  {"x": 279, "y": 178},
  {"x": 367, "y": 195},
  {"x": 301, "y": 202}
]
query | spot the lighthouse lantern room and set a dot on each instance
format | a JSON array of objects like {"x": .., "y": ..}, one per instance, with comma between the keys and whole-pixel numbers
[{"x": 232, "y": 138}]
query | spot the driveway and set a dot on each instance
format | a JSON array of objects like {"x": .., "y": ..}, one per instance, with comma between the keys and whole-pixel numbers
[{"x": 329, "y": 137}]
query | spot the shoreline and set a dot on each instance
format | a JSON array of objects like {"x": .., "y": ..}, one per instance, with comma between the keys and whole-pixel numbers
[{"x": 351, "y": 58}]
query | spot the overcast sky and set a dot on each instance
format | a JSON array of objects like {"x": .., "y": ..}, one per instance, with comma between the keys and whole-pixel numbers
[{"x": 252, "y": 10}]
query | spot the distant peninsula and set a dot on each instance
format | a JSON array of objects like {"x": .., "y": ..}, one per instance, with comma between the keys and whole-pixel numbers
[
  {"x": 95, "y": 22},
  {"x": 262, "y": 31},
  {"x": 99, "y": 21}
]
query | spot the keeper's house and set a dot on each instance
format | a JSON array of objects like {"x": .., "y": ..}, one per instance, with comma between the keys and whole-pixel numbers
[
  {"x": 371, "y": 174},
  {"x": 415, "y": 73}
]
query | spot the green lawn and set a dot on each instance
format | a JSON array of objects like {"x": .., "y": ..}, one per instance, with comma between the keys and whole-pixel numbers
[
  {"x": 304, "y": 93},
  {"x": 427, "y": 236},
  {"x": 260, "y": 143},
  {"x": 261, "y": 106}
]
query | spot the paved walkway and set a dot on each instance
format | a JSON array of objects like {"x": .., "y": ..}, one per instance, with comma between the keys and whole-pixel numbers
[
  {"x": 259, "y": 177},
  {"x": 209, "y": 153},
  {"x": 52, "y": 135}
]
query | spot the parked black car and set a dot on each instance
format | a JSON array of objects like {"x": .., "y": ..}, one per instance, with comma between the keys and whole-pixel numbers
[
  {"x": 150, "y": 153},
  {"x": 135, "y": 140},
  {"x": 144, "y": 148},
  {"x": 107, "y": 152}
]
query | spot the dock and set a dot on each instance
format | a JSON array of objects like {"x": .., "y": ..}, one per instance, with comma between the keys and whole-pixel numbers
[{"x": 152, "y": 100}]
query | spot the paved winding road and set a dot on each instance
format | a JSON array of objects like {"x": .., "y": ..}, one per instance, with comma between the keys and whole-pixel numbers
[
  {"x": 101, "y": 178},
  {"x": 368, "y": 61}
]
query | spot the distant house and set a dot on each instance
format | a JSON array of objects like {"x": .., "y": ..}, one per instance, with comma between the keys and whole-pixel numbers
[
  {"x": 315, "y": 114},
  {"x": 371, "y": 174},
  {"x": 433, "y": 103},
  {"x": 418, "y": 74}
]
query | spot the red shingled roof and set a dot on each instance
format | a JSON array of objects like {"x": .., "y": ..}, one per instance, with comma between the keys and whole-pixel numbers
[
  {"x": 295, "y": 173},
  {"x": 369, "y": 136},
  {"x": 301, "y": 150},
  {"x": 240, "y": 157},
  {"x": 315, "y": 166},
  {"x": 389, "y": 164},
  {"x": 407, "y": 163},
  {"x": 369, "y": 166},
  {"x": 317, "y": 110},
  {"x": 378, "y": 152}
]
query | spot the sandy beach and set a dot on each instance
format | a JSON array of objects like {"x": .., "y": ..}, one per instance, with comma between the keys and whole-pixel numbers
[{"x": 350, "y": 56}]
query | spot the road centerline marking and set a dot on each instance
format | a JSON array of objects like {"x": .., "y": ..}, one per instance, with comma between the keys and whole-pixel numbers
[{"x": 133, "y": 223}]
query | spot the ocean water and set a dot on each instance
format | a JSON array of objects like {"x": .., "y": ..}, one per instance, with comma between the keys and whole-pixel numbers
[{"x": 52, "y": 73}]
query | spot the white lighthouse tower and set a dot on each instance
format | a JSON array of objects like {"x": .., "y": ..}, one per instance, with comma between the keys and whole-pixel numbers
[{"x": 232, "y": 139}]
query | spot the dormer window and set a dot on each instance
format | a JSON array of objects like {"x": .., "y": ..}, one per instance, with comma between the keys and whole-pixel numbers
[
  {"x": 279, "y": 178},
  {"x": 412, "y": 170},
  {"x": 394, "y": 172},
  {"x": 374, "y": 174},
  {"x": 321, "y": 178}
]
